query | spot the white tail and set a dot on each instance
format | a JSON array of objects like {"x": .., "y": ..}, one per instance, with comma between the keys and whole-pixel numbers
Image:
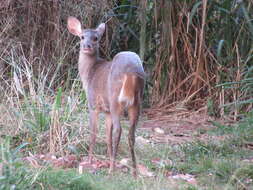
[
  {"x": 111, "y": 87},
  {"x": 127, "y": 96}
]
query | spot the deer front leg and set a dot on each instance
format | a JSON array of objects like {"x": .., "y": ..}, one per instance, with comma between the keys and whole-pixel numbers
[{"x": 93, "y": 122}]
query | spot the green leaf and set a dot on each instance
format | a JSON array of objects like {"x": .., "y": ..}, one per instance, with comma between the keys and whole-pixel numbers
[
  {"x": 17, "y": 149},
  {"x": 248, "y": 20},
  {"x": 194, "y": 10},
  {"x": 220, "y": 45},
  {"x": 57, "y": 104}
]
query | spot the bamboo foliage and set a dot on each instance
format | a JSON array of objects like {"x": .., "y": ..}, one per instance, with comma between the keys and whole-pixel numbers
[
  {"x": 206, "y": 44},
  {"x": 183, "y": 61}
]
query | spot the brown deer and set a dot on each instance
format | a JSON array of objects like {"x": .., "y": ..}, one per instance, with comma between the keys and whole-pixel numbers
[{"x": 111, "y": 87}]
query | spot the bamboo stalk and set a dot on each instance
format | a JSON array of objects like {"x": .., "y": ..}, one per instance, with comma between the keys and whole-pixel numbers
[
  {"x": 143, "y": 7},
  {"x": 200, "y": 65}
]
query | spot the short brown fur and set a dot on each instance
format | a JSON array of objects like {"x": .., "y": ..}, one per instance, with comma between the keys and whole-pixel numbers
[{"x": 104, "y": 83}]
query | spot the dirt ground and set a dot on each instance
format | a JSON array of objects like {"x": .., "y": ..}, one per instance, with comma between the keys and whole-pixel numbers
[{"x": 179, "y": 126}]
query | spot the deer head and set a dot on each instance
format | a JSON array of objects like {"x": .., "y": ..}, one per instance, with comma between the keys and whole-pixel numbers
[{"x": 90, "y": 38}]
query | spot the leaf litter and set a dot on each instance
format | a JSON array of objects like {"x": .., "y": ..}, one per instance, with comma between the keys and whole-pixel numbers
[{"x": 173, "y": 129}]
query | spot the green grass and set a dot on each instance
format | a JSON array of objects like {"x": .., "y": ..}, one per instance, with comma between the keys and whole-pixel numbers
[{"x": 27, "y": 178}]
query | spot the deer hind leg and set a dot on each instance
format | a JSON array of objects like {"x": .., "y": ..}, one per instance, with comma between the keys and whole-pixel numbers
[
  {"x": 93, "y": 124},
  {"x": 116, "y": 133},
  {"x": 133, "y": 113},
  {"x": 108, "y": 122}
]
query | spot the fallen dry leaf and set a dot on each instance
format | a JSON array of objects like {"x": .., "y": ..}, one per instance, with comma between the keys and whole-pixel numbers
[
  {"x": 124, "y": 169},
  {"x": 248, "y": 160},
  {"x": 100, "y": 164},
  {"x": 93, "y": 166},
  {"x": 103, "y": 164},
  {"x": 249, "y": 146},
  {"x": 123, "y": 165},
  {"x": 46, "y": 157},
  {"x": 248, "y": 180},
  {"x": 125, "y": 161},
  {"x": 168, "y": 173},
  {"x": 71, "y": 157},
  {"x": 159, "y": 130},
  {"x": 59, "y": 163},
  {"x": 143, "y": 170},
  {"x": 187, "y": 177},
  {"x": 141, "y": 141},
  {"x": 37, "y": 160},
  {"x": 32, "y": 161},
  {"x": 85, "y": 165},
  {"x": 192, "y": 181},
  {"x": 182, "y": 176},
  {"x": 160, "y": 162},
  {"x": 68, "y": 161}
]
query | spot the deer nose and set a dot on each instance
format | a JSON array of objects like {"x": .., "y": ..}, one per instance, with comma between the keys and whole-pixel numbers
[{"x": 87, "y": 46}]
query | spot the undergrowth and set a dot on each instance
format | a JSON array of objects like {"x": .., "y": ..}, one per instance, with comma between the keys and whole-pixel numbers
[
  {"x": 36, "y": 120},
  {"x": 218, "y": 164},
  {"x": 30, "y": 113}
]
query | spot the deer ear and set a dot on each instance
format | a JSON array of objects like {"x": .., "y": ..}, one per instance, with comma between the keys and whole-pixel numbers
[
  {"x": 74, "y": 26},
  {"x": 100, "y": 29}
]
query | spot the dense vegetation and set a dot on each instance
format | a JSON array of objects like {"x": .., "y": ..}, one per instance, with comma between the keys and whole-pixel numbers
[
  {"x": 198, "y": 56},
  {"x": 188, "y": 47}
]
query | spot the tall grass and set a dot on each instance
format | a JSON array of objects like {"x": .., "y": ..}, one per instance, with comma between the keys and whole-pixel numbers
[{"x": 32, "y": 112}]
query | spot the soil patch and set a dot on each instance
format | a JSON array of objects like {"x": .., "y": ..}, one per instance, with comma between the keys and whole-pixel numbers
[{"x": 179, "y": 126}]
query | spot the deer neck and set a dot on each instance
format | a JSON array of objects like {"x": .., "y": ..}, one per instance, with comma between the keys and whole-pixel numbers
[{"x": 85, "y": 66}]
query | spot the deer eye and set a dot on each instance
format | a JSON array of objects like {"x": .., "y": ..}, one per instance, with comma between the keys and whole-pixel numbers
[{"x": 95, "y": 39}]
